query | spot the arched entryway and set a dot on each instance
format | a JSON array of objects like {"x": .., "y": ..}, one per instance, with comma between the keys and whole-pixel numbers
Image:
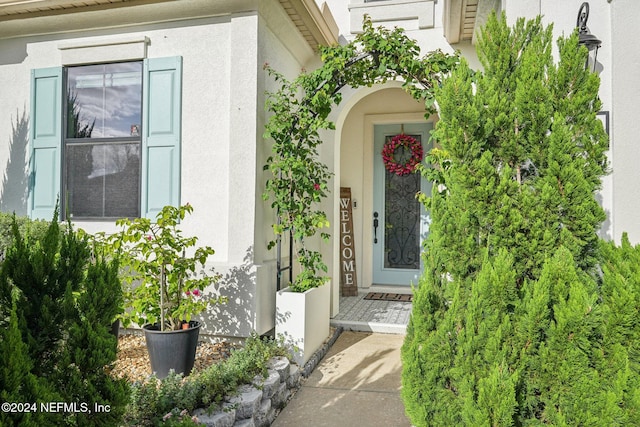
[
  {"x": 367, "y": 117},
  {"x": 305, "y": 118}
]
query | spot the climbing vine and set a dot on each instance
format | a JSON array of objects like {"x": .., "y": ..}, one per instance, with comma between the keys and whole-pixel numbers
[{"x": 300, "y": 109}]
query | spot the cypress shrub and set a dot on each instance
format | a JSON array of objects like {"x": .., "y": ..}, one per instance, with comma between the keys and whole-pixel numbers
[
  {"x": 522, "y": 316},
  {"x": 37, "y": 271},
  {"x": 17, "y": 382},
  {"x": 91, "y": 348},
  {"x": 58, "y": 302}
]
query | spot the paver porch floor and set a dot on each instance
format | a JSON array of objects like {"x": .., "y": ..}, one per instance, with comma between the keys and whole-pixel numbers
[{"x": 358, "y": 314}]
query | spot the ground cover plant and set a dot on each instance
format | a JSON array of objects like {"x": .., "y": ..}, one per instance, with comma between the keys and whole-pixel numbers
[
  {"x": 172, "y": 399},
  {"x": 523, "y": 316}
]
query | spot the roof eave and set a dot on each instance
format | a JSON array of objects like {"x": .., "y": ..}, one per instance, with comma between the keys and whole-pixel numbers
[{"x": 316, "y": 24}]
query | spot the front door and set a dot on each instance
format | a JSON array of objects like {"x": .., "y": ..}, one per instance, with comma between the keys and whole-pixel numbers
[{"x": 400, "y": 221}]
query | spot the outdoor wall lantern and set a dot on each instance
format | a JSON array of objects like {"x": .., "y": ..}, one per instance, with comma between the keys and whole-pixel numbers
[{"x": 585, "y": 37}]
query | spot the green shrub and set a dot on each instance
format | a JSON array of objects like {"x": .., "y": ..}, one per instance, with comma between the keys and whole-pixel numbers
[
  {"x": 522, "y": 316},
  {"x": 60, "y": 299},
  {"x": 17, "y": 382},
  {"x": 34, "y": 228},
  {"x": 153, "y": 399}
]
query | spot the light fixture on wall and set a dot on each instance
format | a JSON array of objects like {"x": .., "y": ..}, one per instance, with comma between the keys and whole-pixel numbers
[{"x": 585, "y": 38}]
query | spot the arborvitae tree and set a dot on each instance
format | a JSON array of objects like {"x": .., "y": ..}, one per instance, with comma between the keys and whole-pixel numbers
[
  {"x": 513, "y": 322},
  {"x": 559, "y": 381},
  {"x": 484, "y": 346}
]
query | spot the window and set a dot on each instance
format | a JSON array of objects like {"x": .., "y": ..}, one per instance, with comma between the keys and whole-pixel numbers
[
  {"x": 408, "y": 14},
  {"x": 103, "y": 142},
  {"x": 115, "y": 152}
]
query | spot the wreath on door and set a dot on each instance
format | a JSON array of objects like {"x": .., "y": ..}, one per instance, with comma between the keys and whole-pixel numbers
[{"x": 389, "y": 152}]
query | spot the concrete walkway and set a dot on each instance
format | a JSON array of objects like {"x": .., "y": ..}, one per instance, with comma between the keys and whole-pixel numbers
[{"x": 356, "y": 384}]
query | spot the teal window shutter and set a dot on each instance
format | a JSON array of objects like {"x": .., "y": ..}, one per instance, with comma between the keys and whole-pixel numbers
[
  {"x": 46, "y": 142},
  {"x": 161, "y": 133}
]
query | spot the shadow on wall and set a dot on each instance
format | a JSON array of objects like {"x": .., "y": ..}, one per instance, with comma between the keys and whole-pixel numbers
[
  {"x": 13, "y": 196},
  {"x": 13, "y": 51},
  {"x": 236, "y": 318}
]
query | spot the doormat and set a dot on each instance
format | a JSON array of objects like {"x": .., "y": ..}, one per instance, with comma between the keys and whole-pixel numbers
[{"x": 380, "y": 296}]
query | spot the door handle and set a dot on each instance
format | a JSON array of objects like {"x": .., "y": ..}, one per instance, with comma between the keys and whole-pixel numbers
[{"x": 375, "y": 227}]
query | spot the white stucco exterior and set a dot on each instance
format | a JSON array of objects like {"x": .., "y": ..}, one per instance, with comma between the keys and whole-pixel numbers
[
  {"x": 223, "y": 50},
  {"x": 223, "y": 45}
]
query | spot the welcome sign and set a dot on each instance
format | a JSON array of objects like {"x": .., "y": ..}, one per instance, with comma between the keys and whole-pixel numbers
[{"x": 348, "y": 280}]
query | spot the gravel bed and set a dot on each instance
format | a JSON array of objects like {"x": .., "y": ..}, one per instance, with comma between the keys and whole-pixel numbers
[{"x": 133, "y": 360}]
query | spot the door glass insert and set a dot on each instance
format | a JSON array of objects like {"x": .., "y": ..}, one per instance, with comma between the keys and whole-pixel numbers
[{"x": 402, "y": 215}]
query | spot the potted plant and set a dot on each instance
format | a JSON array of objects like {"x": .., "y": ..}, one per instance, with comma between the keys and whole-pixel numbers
[
  {"x": 296, "y": 187},
  {"x": 164, "y": 276}
]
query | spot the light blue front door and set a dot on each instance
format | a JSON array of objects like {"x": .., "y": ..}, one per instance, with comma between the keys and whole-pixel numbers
[{"x": 400, "y": 221}]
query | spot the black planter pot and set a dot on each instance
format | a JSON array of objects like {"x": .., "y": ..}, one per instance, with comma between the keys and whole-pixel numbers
[
  {"x": 171, "y": 349},
  {"x": 115, "y": 329}
]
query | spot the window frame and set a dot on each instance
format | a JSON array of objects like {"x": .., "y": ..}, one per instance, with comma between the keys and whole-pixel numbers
[
  {"x": 66, "y": 141},
  {"x": 161, "y": 129}
]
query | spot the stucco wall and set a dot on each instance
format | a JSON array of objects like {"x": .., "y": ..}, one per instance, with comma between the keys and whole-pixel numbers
[
  {"x": 283, "y": 48},
  {"x": 625, "y": 126},
  {"x": 222, "y": 125},
  {"x": 422, "y": 19},
  {"x": 205, "y": 112},
  {"x": 14, "y": 125},
  {"x": 218, "y": 133}
]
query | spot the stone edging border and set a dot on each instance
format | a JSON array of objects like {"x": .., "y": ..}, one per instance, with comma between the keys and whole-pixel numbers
[
  {"x": 321, "y": 352},
  {"x": 258, "y": 404}
]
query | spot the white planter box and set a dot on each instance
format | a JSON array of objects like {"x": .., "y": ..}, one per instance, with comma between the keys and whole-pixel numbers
[{"x": 302, "y": 319}]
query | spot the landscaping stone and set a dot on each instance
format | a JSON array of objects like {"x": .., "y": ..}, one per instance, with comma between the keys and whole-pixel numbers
[
  {"x": 218, "y": 419},
  {"x": 245, "y": 423},
  {"x": 294, "y": 377},
  {"x": 261, "y": 417},
  {"x": 280, "y": 365},
  {"x": 258, "y": 404},
  {"x": 281, "y": 396},
  {"x": 247, "y": 402},
  {"x": 271, "y": 416},
  {"x": 269, "y": 385}
]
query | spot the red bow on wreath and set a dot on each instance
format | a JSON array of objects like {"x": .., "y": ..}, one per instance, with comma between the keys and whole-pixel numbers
[{"x": 389, "y": 149}]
